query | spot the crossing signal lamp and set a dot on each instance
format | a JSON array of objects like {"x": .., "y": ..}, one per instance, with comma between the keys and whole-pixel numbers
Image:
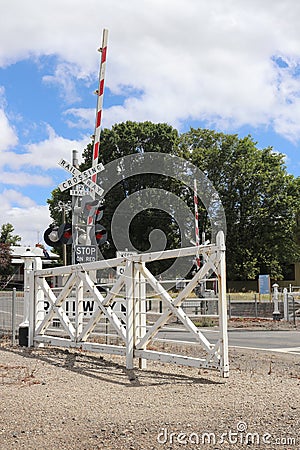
[
  {"x": 100, "y": 234},
  {"x": 55, "y": 236},
  {"x": 66, "y": 234}
]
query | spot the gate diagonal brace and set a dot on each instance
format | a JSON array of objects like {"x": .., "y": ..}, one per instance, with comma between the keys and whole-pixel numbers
[
  {"x": 135, "y": 335},
  {"x": 104, "y": 307},
  {"x": 55, "y": 306},
  {"x": 174, "y": 308},
  {"x": 214, "y": 353}
]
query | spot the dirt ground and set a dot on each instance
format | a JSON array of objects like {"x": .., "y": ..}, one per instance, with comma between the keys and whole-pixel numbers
[
  {"x": 61, "y": 399},
  {"x": 260, "y": 323}
]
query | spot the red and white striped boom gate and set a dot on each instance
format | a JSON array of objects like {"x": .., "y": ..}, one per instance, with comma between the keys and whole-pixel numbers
[
  {"x": 99, "y": 108},
  {"x": 196, "y": 221}
]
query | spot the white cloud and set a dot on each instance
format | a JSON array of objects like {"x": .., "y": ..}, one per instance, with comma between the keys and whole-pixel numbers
[
  {"x": 66, "y": 28},
  {"x": 8, "y": 135},
  {"x": 189, "y": 59},
  {"x": 65, "y": 76},
  {"x": 83, "y": 118},
  {"x": 30, "y": 223},
  {"x": 28, "y": 219},
  {"x": 44, "y": 154},
  {"x": 2, "y": 97},
  {"x": 47, "y": 153},
  {"x": 11, "y": 196},
  {"x": 170, "y": 61},
  {"x": 20, "y": 178}
]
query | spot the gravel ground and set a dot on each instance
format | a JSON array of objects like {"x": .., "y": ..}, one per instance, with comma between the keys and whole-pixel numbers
[{"x": 60, "y": 399}]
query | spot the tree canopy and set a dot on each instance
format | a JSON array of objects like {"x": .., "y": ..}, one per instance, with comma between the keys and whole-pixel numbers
[
  {"x": 7, "y": 239},
  {"x": 132, "y": 138},
  {"x": 261, "y": 200},
  {"x": 7, "y": 236},
  {"x": 5, "y": 262}
]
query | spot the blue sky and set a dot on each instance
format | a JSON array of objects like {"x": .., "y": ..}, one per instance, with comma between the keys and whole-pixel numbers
[{"x": 228, "y": 65}]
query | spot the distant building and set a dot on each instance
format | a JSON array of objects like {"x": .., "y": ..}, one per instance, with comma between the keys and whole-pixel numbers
[
  {"x": 17, "y": 278},
  {"x": 291, "y": 276}
]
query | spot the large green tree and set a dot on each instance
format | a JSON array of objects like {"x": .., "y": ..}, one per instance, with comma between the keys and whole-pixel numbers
[
  {"x": 6, "y": 268},
  {"x": 7, "y": 235},
  {"x": 132, "y": 138},
  {"x": 260, "y": 199},
  {"x": 7, "y": 239},
  {"x": 124, "y": 139}
]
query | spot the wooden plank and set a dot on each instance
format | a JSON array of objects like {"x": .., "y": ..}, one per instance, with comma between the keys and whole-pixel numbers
[{"x": 173, "y": 358}]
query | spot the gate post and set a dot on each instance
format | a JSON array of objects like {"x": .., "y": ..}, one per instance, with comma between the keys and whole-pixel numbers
[
  {"x": 130, "y": 313},
  {"x": 285, "y": 304},
  {"x": 31, "y": 262},
  {"x": 38, "y": 310},
  {"x": 36, "y": 299},
  {"x": 140, "y": 315},
  {"x": 223, "y": 305},
  {"x": 276, "y": 312}
]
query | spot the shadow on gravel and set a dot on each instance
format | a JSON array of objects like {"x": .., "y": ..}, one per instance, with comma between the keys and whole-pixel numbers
[{"x": 106, "y": 370}]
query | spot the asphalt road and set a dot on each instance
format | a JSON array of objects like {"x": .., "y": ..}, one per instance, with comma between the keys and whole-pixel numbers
[{"x": 279, "y": 341}]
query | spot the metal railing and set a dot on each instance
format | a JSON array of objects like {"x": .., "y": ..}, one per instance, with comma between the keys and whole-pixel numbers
[{"x": 11, "y": 312}]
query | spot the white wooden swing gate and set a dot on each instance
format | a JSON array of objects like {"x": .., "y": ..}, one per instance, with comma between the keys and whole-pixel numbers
[{"x": 135, "y": 335}]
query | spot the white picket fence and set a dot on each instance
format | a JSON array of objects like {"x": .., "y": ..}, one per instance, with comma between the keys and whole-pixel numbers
[{"x": 130, "y": 330}]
